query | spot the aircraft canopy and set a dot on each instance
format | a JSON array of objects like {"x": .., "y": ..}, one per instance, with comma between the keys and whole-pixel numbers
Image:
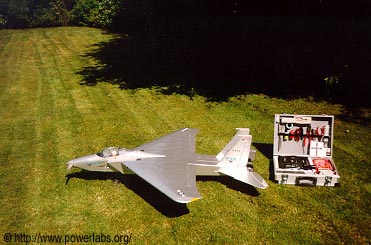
[{"x": 109, "y": 152}]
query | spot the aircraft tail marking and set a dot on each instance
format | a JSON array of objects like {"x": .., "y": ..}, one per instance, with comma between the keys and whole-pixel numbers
[{"x": 237, "y": 151}]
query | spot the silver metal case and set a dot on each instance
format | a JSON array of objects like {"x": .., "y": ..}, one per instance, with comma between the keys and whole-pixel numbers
[{"x": 302, "y": 150}]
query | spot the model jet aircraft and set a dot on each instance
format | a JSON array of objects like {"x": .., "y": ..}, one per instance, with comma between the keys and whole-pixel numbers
[{"x": 171, "y": 164}]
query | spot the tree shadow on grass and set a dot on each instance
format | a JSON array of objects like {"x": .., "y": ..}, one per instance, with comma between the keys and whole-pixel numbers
[
  {"x": 221, "y": 56},
  {"x": 215, "y": 57},
  {"x": 183, "y": 63}
]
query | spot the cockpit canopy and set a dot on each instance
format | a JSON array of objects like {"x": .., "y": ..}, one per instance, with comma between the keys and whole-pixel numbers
[{"x": 109, "y": 152}]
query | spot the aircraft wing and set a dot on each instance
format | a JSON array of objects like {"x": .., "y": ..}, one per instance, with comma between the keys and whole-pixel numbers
[
  {"x": 173, "y": 175},
  {"x": 182, "y": 141}
]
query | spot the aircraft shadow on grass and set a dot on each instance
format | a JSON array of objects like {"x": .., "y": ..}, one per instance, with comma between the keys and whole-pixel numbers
[
  {"x": 151, "y": 195},
  {"x": 267, "y": 150},
  {"x": 154, "y": 197}
]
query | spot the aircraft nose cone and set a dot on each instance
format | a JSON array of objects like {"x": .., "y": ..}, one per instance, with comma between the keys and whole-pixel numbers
[{"x": 69, "y": 165}]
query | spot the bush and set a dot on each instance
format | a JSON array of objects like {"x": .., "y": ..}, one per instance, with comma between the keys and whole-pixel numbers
[
  {"x": 55, "y": 14},
  {"x": 2, "y": 22},
  {"x": 46, "y": 13},
  {"x": 95, "y": 13},
  {"x": 15, "y": 14}
]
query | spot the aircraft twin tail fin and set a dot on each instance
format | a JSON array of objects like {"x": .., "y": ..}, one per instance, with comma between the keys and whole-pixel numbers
[
  {"x": 237, "y": 151},
  {"x": 235, "y": 157}
]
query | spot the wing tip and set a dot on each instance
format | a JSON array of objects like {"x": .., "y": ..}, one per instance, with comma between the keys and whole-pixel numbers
[
  {"x": 187, "y": 199},
  {"x": 195, "y": 199},
  {"x": 191, "y": 130}
]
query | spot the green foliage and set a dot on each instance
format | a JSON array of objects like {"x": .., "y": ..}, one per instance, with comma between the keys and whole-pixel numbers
[
  {"x": 2, "y": 22},
  {"x": 44, "y": 13},
  {"x": 54, "y": 14},
  {"x": 332, "y": 84},
  {"x": 81, "y": 13},
  {"x": 34, "y": 13},
  {"x": 18, "y": 13},
  {"x": 332, "y": 80},
  {"x": 95, "y": 13}
]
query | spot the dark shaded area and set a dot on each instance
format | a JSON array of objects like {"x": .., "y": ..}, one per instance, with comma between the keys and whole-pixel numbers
[
  {"x": 220, "y": 49},
  {"x": 271, "y": 171},
  {"x": 247, "y": 7},
  {"x": 232, "y": 184},
  {"x": 151, "y": 195},
  {"x": 265, "y": 148}
]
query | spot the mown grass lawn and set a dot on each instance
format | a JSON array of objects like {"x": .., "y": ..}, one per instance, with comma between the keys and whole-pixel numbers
[{"x": 48, "y": 118}]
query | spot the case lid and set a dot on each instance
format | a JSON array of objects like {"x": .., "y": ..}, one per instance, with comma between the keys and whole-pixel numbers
[{"x": 303, "y": 135}]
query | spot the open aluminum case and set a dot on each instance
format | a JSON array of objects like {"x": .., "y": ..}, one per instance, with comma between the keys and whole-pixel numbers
[{"x": 302, "y": 150}]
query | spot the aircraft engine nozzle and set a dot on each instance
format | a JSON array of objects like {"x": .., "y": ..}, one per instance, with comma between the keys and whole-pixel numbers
[{"x": 69, "y": 165}]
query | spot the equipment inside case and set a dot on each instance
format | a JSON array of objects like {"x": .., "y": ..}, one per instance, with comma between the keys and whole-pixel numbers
[{"x": 302, "y": 150}]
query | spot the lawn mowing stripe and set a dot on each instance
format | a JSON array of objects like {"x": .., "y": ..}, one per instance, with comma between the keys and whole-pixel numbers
[
  {"x": 95, "y": 93},
  {"x": 41, "y": 205},
  {"x": 33, "y": 165},
  {"x": 65, "y": 116},
  {"x": 102, "y": 115},
  {"x": 141, "y": 117},
  {"x": 141, "y": 106},
  {"x": 58, "y": 92},
  {"x": 21, "y": 131}
]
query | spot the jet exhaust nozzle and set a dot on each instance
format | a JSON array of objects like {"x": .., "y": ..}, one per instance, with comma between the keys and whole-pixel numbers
[{"x": 69, "y": 165}]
